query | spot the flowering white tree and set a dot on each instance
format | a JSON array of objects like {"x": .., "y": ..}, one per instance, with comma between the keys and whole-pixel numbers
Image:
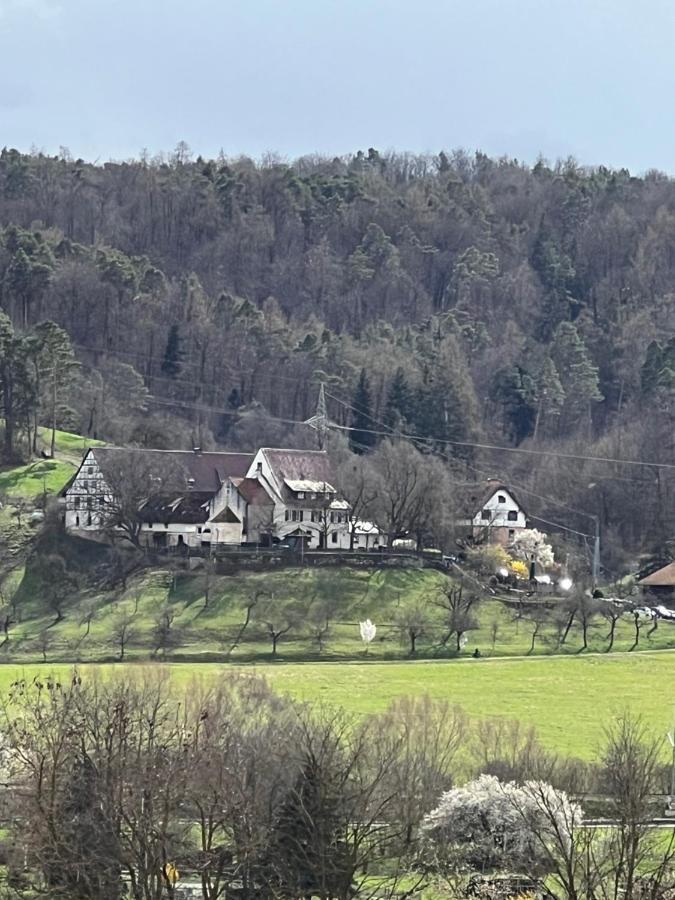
[
  {"x": 531, "y": 543},
  {"x": 490, "y": 824},
  {"x": 368, "y": 632}
]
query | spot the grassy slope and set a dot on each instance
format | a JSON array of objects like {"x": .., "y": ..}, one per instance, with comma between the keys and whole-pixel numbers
[
  {"x": 570, "y": 700},
  {"x": 29, "y": 481},
  {"x": 207, "y": 632}
]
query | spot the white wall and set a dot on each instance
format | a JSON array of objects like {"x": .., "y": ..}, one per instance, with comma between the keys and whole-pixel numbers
[
  {"x": 499, "y": 513},
  {"x": 87, "y": 489}
]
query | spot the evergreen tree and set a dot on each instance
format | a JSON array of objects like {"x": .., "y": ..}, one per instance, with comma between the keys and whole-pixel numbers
[
  {"x": 578, "y": 375},
  {"x": 398, "y": 408},
  {"x": 309, "y": 856},
  {"x": 171, "y": 364},
  {"x": 360, "y": 437},
  {"x": 55, "y": 366},
  {"x": 549, "y": 393}
]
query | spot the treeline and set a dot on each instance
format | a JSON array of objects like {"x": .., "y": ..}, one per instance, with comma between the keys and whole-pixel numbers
[
  {"x": 460, "y": 299},
  {"x": 115, "y": 788}
]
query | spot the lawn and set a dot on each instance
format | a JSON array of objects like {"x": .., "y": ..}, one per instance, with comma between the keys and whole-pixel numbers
[{"x": 569, "y": 699}]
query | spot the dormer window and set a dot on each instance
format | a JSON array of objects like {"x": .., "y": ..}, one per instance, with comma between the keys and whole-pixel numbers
[
  {"x": 301, "y": 495},
  {"x": 485, "y": 515},
  {"x": 501, "y": 498}
]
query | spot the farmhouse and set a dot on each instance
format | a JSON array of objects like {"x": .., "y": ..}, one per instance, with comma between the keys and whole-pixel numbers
[{"x": 202, "y": 499}]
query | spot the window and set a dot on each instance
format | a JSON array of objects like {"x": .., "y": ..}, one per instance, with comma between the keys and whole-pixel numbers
[
  {"x": 334, "y": 537},
  {"x": 501, "y": 498},
  {"x": 313, "y": 495},
  {"x": 288, "y": 515},
  {"x": 512, "y": 532},
  {"x": 90, "y": 470},
  {"x": 101, "y": 501},
  {"x": 294, "y": 515},
  {"x": 485, "y": 515},
  {"x": 76, "y": 502},
  {"x": 300, "y": 516},
  {"x": 301, "y": 495},
  {"x": 513, "y": 515},
  {"x": 166, "y": 525},
  {"x": 313, "y": 516},
  {"x": 199, "y": 529},
  {"x": 77, "y": 521},
  {"x": 332, "y": 517},
  {"x": 149, "y": 524}
]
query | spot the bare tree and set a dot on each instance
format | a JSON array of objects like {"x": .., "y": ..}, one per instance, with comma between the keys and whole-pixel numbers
[
  {"x": 276, "y": 617},
  {"x": 414, "y": 621},
  {"x": 459, "y": 606},
  {"x": 122, "y": 631},
  {"x": 135, "y": 484},
  {"x": 630, "y": 776}
]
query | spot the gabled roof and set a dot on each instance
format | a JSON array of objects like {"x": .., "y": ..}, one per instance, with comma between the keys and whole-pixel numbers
[
  {"x": 664, "y": 577},
  {"x": 492, "y": 487},
  {"x": 253, "y": 492},
  {"x": 299, "y": 465},
  {"x": 204, "y": 470}
]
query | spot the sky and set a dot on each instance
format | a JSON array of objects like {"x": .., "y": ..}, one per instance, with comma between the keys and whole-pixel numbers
[{"x": 108, "y": 79}]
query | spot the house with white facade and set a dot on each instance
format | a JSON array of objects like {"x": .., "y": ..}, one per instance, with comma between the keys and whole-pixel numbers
[
  {"x": 218, "y": 499},
  {"x": 306, "y": 503},
  {"x": 495, "y": 514}
]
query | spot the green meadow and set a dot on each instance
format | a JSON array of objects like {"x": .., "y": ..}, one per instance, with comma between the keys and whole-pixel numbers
[{"x": 570, "y": 700}]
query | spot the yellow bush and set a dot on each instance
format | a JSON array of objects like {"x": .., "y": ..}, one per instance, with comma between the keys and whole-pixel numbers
[{"x": 519, "y": 568}]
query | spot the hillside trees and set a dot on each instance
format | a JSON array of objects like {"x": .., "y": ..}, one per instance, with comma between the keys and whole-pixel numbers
[{"x": 480, "y": 301}]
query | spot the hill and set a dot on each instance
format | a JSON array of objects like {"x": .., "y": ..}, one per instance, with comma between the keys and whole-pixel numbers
[{"x": 471, "y": 303}]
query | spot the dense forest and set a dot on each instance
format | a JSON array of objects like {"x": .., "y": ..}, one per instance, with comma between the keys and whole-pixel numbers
[{"x": 462, "y": 300}]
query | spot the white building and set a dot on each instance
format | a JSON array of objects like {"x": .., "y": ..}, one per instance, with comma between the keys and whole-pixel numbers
[
  {"x": 214, "y": 498},
  {"x": 497, "y": 514}
]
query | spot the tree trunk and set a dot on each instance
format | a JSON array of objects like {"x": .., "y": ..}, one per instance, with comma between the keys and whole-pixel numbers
[{"x": 570, "y": 622}]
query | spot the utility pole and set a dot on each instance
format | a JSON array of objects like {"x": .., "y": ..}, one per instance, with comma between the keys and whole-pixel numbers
[{"x": 596, "y": 551}]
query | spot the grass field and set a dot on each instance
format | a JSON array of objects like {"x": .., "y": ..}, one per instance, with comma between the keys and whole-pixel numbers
[{"x": 570, "y": 699}]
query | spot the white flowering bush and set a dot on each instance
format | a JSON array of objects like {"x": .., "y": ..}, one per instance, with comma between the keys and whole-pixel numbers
[
  {"x": 530, "y": 542},
  {"x": 368, "y": 631},
  {"x": 491, "y": 824}
]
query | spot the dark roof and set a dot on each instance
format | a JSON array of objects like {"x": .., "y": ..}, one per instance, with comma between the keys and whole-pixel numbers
[
  {"x": 299, "y": 465},
  {"x": 191, "y": 508},
  {"x": 253, "y": 492},
  {"x": 204, "y": 471}
]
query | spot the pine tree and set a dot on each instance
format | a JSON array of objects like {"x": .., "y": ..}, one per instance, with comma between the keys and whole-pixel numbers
[
  {"x": 398, "y": 408},
  {"x": 578, "y": 375},
  {"x": 549, "y": 393},
  {"x": 171, "y": 365},
  {"x": 361, "y": 438}
]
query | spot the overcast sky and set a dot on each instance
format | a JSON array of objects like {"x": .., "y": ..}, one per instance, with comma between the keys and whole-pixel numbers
[{"x": 107, "y": 78}]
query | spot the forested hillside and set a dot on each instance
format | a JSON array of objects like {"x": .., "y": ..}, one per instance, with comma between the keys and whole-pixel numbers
[{"x": 462, "y": 300}]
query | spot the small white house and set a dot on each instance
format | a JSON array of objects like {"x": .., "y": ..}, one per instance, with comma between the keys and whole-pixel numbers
[{"x": 497, "y": 515}]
